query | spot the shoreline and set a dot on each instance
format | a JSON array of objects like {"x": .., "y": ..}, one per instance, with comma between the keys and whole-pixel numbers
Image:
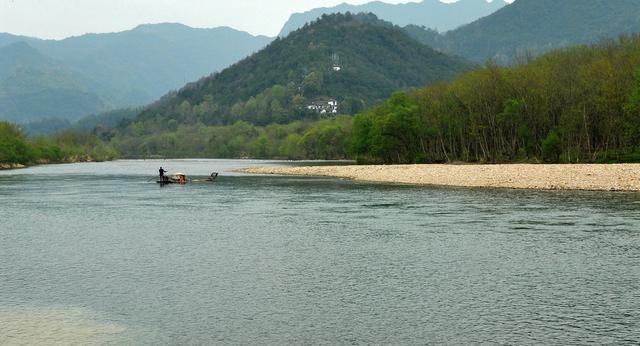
[
  {"x": 9, "y": 166},
  {"x": 586, "y": 177}
]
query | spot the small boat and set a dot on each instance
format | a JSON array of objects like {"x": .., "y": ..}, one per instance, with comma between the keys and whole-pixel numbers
[
  {"x": 177, "y": 178},
  {"x": 181, "y": 178}
]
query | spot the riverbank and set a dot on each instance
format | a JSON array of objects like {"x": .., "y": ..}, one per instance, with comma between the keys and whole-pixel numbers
[
  {"x": 5, "y": 166},
  {"x": 592, "y": 177},
  {"x": 74, "y": 159}
]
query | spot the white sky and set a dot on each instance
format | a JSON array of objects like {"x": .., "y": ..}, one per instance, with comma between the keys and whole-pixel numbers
[{"x": 63, "y": 18}]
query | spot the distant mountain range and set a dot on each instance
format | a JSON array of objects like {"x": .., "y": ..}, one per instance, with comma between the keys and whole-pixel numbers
[
  {"x": 432, "y": 14},
  {"x": 96, "y": 73},
  {"x": 536, "y": 26},
  {"x": 88, "y": 74},
  {"x": 34, "y": 85},
  {"x": 355, "y": 60}
]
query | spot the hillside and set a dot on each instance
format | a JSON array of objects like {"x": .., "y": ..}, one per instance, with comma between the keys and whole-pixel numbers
[
  {"x": 127, "y": 68},
  {"x": 429, "y": 13},
  {"x": 355, "y": 59},
  {"x": 538, "y": 26},
  {"x": 32, "y": 85}
]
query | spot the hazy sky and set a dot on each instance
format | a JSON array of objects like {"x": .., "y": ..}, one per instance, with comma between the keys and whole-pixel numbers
[{"x": 63, "y": 18}]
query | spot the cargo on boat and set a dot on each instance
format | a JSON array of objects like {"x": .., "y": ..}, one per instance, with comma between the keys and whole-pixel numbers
[
  {"x": 176, "y": 178},
  {"x": 181, "y": 178}
]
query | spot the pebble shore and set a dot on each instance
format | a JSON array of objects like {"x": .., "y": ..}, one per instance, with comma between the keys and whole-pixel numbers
[{"x": 591, "y": 177}]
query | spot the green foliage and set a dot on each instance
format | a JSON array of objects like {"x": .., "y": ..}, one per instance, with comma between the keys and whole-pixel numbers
[
  {"x": 632, "y": 114},
  {"x": 324, "y": 139},
  {"x": 14, "y": 148},
  {"x": 552, "y": 147},
  {"x": 276, "y": 84},
  {"x": 67, "y": 146},
  {"x": 329, "y": 139},
  {"x": 573, "y": 105}
]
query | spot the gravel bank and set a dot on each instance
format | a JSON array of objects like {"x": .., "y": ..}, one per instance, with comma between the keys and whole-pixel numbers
[{"x": 594, "y": 177}]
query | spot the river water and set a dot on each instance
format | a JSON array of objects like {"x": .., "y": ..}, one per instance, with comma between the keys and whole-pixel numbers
[{"x": 99, "y": 254}]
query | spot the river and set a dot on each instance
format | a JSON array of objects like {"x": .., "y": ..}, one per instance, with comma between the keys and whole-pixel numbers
[{"x": 98, "y": 253}]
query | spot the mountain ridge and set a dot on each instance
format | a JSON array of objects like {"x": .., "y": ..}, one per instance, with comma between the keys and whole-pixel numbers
[
  {"x": 537, "y": 26},
  {"x": 31, "y": 82},
  {"x": 429, "y": 13},
  {"x": 137, "y": 66}
]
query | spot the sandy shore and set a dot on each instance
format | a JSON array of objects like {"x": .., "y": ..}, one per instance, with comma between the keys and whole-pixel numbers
[{"x": 619, "y": 177}]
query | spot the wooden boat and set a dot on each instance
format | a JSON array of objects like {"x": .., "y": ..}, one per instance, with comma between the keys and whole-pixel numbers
[
  {"x": 177, "y": 178},
  {"x": 181, "y": 178}
]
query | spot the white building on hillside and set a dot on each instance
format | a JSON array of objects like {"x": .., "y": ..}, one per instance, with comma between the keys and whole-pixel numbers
[{"x": 325, "y": 107}]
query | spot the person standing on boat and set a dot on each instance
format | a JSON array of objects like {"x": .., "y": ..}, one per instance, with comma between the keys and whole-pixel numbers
[{"x": 162, "y": 172}]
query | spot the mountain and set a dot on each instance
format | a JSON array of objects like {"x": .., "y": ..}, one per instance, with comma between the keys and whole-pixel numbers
[
  {"x": 356, "y": 60},
  {"x": 429, "y": 13},
  {"x": 7, "y": 39},
  {"x": 537, "y": 26},
  {"x": 129, "y": 68},
  {"x": 32, "y": 84}
]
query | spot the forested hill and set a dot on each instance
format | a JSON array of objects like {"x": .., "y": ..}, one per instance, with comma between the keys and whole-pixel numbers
[
  {"x": 87, "y": 74},
  {"x": 355, "y": 59},
  {"x": 538, "y": 26},
  {"x": 432, "y": 14}
]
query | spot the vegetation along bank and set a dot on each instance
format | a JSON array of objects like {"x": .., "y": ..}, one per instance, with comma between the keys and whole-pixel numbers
[{"x": 17, "y": 151}]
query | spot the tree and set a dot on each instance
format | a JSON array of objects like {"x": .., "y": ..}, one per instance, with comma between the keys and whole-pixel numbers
[
  {"x": 551, "y": 147},
  {"x": 13, "y": 145}
]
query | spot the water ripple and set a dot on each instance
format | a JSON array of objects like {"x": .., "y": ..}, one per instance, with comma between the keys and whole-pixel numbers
[{"x": 88, "y": 257}]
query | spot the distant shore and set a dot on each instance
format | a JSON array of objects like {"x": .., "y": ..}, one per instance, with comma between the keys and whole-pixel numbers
[
  {"x": 591, "y": 177},
  {"x": 6, "y": 166},
  {"x": 75, "y": 159}
]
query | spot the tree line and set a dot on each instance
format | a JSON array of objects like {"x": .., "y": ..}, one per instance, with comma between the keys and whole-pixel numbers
[
  {"x": 573, "y": 105},
  {"x": 66, "y": 146},
  {"x": 320, "y": 139}
]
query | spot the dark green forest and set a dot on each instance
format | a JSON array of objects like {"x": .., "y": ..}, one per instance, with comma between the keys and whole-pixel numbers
[
  {"x": 276, "y": 84},
  {"x": 573, "y": 105}
]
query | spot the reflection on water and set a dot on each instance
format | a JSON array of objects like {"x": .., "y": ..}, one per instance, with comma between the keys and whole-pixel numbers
[{"x": 306, "y": 260}]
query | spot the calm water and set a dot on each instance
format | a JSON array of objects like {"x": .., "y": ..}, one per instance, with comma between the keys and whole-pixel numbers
[{"x": 97, "y": 253}]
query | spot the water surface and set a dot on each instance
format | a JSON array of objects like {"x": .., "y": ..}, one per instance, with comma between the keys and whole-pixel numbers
[{"x": 98, "y": 253}]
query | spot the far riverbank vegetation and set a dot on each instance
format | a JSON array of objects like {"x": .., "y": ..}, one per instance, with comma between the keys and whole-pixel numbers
[
  {"x": 65, "y": 146},
  {"x": 574, "y": 105}
]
